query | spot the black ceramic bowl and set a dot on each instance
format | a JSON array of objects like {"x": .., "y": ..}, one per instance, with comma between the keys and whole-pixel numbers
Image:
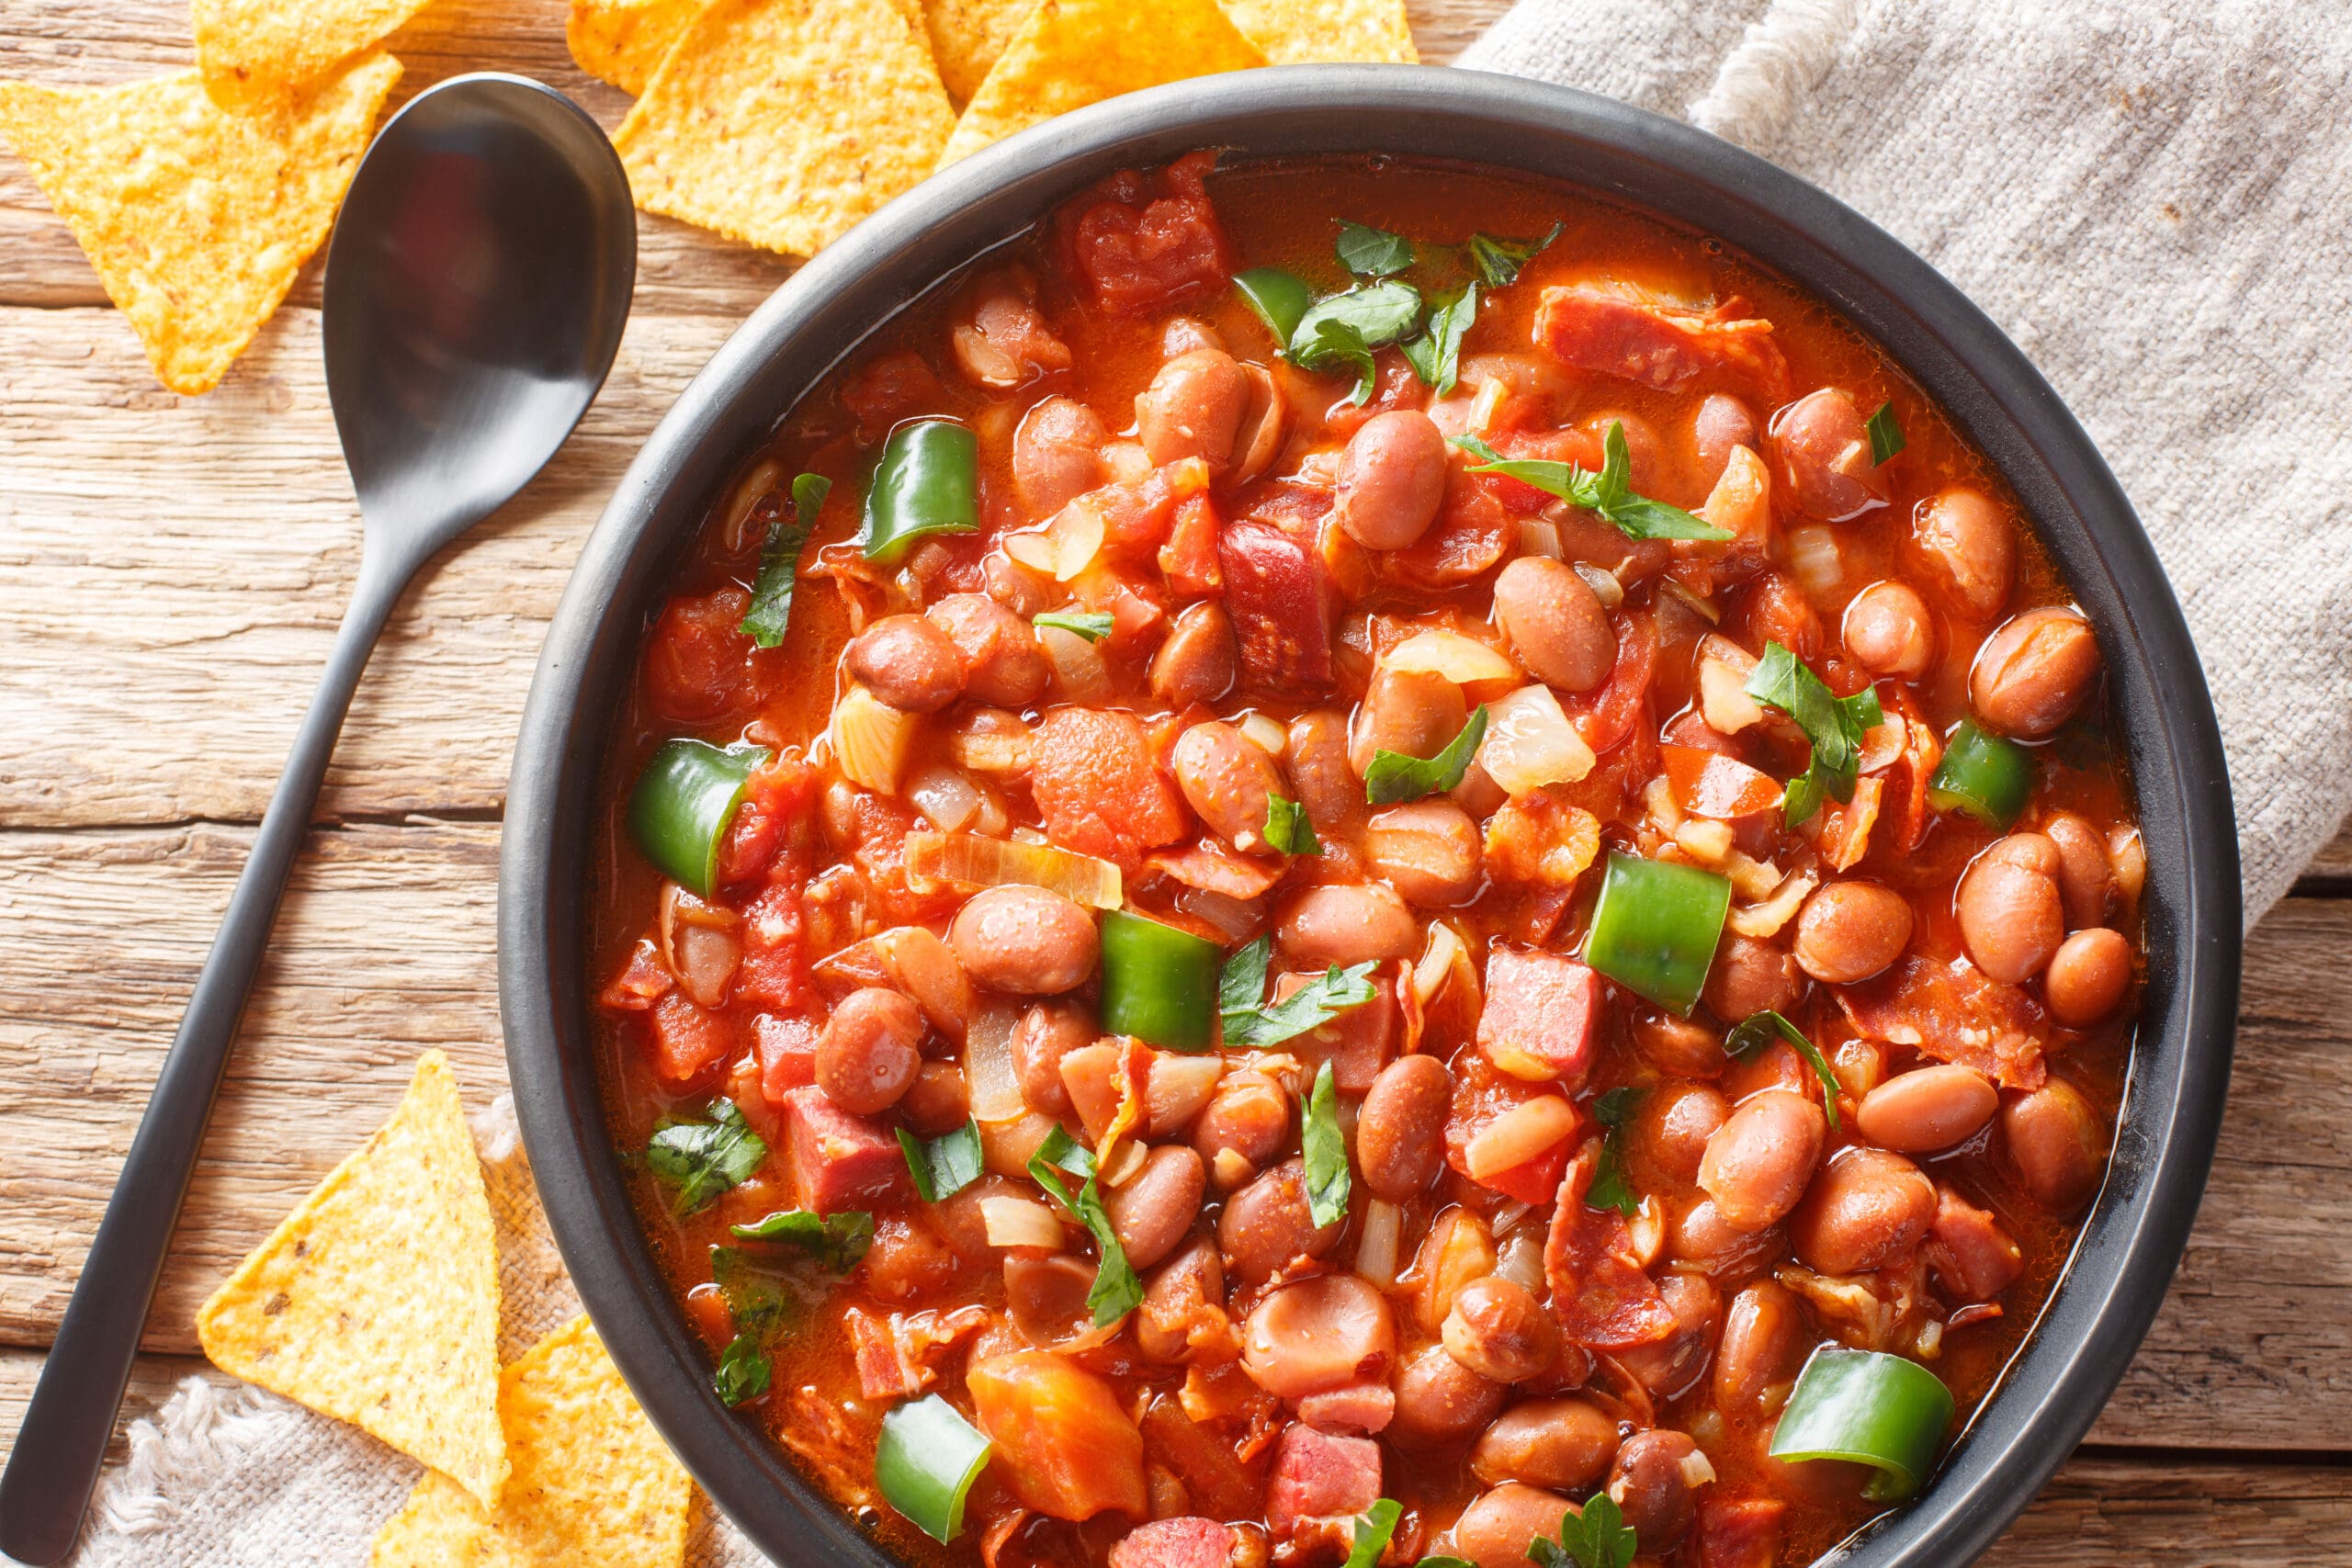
[{"x": 2134, "y": 1236}]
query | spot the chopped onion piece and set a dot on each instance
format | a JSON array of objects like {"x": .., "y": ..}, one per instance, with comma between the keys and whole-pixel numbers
[
  {"x": 1708, "y": 842},
  {"x": 1377, "y": 1248},
  {"x": 967, "y": 860},
  {"x": 1067, "y": 544},
  {"x": 1519, "y": 1135},
  {"x": 1815, "y": 562},
  {"x": 1079, "y": 668},
  {"x": 1266, "y": 733},
  {"x": 1437, "y": 961},
  {"x": 990, "y": 1080},
  {"x": 1178, "y": 1089},
  {"x": 740, "y": 502},
  {"x": 1530, "y": 742},
  {"x": 1700, "y": 606},
  {"x": 1657, "y": 799},
  {"x": 991, "y": 740},
  {"x": 1019, "y": 1222},
  {"x": 1765, "y": 919},
  {"x": 1646, "y": 1229},
  {"x": 1519, "y": 1257},
  {"x": 1238, "y": 918},
  {"x": 1751, "y": 879},
  {"x": 1604, "y": 583},
  {"x": 1541, "y": 536},
  {"x": 1723, "y": 701},
  {"x": 1125, "y": 1161},
  {"x": 1696, "y": 1470},
  {"x": 870, "y": 739},
  {"x": 944, "y": 796},
  {"x": 1461, "y": 659},
  {"x": 992, "y": 821}
]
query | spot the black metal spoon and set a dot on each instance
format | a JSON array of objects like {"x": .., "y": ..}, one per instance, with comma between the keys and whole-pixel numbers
[{"x": 476, "y": 288}]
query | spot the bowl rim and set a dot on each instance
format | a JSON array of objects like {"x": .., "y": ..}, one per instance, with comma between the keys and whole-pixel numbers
[{"x": 2134, "y": 1232}]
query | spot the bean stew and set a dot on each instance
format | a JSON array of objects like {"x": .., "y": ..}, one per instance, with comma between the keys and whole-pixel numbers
[{"x": 1352, "y": 861}]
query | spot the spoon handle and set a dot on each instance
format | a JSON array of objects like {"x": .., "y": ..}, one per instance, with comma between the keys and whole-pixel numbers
[{"x": 63, "y": 1442}]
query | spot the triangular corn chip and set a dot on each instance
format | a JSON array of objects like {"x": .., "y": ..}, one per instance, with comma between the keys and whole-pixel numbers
[
  {"x": 255, "y": 53},
  {"x": 622, "y": 41},
  {"x": 1305, "y": 32},
  {"x": 782, "y": 122},
  {"x": 966, "y": 37},
  {"x": 198, "y": 219},
  {"x": 376, "y": 1302},
  {"x": 1071, "y": 53},
  {"x": 594, "y": 1484}
]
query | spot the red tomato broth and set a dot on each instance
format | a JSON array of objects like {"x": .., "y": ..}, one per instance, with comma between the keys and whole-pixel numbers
[{"x": 1281, "y": 214}]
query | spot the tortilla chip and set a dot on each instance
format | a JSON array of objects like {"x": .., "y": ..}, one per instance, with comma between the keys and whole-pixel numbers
[
  {"x": 376, "y": 1302},
  {"x": 593, "y": 1486},
  {"x": 967, "y": 36},
  {"x": 782, "y": 122},
  {"x": 1071, "y": 53},
  {"x": 196, "y": 221},
  {"x": 622, "y": 41},
  {"x": 1305, "y": 33},
  {"x": 257, "y": 53}
]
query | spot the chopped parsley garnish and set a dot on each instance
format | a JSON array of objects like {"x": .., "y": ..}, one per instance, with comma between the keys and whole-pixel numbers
[
  {"x": 1609, "y": 492},
  {"x": 760, "y": 1303},
  {"x": 780, "y": 561},
  {"x": 1325, "y": 1152},
  {"x": 1609, "y": 1189},
  {"x": 1092, "y": 625},
  {"x": 1375, "y": 1527},
  {"x": 1886, "y": 435},
  {"x": 1436, "y": 355},
  {"x": 1372, "y": 253},
  {"x": 743, "y": 1371},
  {"x": 1596, "y": 1538},
  {"x": 1116, "y": 1290},
  {"x": 700, "y": 1161},
  {"x": 1251, "y": 1024},
  {"x": 837, "y": 1241},
  {"x": 1834, "y": 724},
  {"x": 1757, "y": 1031},
  {"x": 1341, "y": 331},
  {"x": 1498, "y": 261},
  {"x": 945, "y": 1165},
  {"x": 1394, "y": 777},
  {"x": 1288, "y": 830}
]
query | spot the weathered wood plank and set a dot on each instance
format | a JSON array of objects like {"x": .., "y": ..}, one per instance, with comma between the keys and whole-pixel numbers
[
  {"x": 386, "y": 947},
  {"x": 2332, "y": 868}
]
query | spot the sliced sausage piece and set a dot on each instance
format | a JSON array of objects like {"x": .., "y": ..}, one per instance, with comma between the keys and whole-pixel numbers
[
  {"x": 1540, "y": 1016},
  {"x": 1972, "y": 1255},
  {"x": 1189, "y": 1542},
  {"x": 1280, "y": 597},
  {"x": 838, "y": 1160},
  {"x": 1319, "y": 1476}
]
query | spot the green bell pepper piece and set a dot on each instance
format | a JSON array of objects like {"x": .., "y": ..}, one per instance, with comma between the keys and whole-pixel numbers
[
  {"x": 1867, "y": 1407},
  {"x": 1278, "y": 298},
  {"x": 1984, "y": 775},
  {"x": 927, "y": 482},
  {"x": 1158, "y": 983},
  {"x": 925, "y": 1463},
  {"x": 684, "y": 803},
  {"x": 1656, "y": 928}
]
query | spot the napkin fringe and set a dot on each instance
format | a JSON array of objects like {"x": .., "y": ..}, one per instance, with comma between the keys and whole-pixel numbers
[{"x": 1778, "y": 63}]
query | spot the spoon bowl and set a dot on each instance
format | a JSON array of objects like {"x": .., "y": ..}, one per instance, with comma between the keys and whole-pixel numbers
[{"x": 477, "y": 286}]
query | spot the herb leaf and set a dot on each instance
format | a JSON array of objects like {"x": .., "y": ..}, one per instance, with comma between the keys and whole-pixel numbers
[
  {"x": 945, "y": 1165},
  {"x": 1610, "y": 1189},
  {"x": 1596, "y": 1538},
  {"x": 1241, "y": 985},
  {"x": 780, "y": 562},
  {"x": 1117, "y": 1291},
  {"x": 1341, "y": 331},
  {"x": 1436, "y": 355},
  {"x": 1374, "y": 1528},
  {"x": 1394, "y": 776},
  {"x": 1609, "y": 492},
  {"x": 837, "y": 1241},
  {"x": 1834, "y": 724},
  {"x": 1092, "y": 625},
  {"x": 1324, "y": 1151},
  {"x": 1886, "y": 435},
  {"x": 743, "y": 1371},
  {"x": 1757, "y": 1030},
  {"x": 1372, "y": 253},
  {"x": 1313, "y": 1004},
  {"x": 1498, "y": 261},
  {"x": 1288, "y": 830},
  {"x": 759, "y": 1300},
  {"x": 700, "y": 1161}
]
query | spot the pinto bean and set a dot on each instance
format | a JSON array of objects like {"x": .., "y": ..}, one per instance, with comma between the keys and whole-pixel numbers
[
  {"x": 1494, "y": 1531},
  {"x": 1561, "y": 1443},
  {"x": 1411, "y": 712},
  {"x": 1193, "y": 409},
  {"x": 1498, "y": 1329},
  {"x": 1429, "y": 851},
  {"x": 1320, "y": 772},
  {"x": 1439, "y": 1402},
  {"x": 1200, "y": 659},
  {"x": 1668, "y": 1135},
  {"x": 907, "y": 662},
  {"x": 1400, "y": 1130},
  {"x": 2012, "y": 917},
  {"x": 2088, "y": 977},
  {"x": 1866, "y": 1210},
  {"x": 936, "y": 1101},
  {"x": 1046, "y": 1297},
  {"x": 1888, "y": 631},
  {"x": 1967, "y": 551},
  {"x": 2055, "y": 1141},
  {"x": 1556, "y": 622},
  {"x": 1267, "y": 1224},
  {"x": 1392, "y": 479},
  {"x": 1701, "y": 1238},
  {"x": 1347, "y": 924},
  {"x": 2086, "y": 871},
  {"x": 1025, "y": 939},
  {"x": 1156, "y": 1206},
  {"x": 1057, "y": 456},
  {"x": 1668, "y": 1366},
  {"x": 1003, "y": 666},
  {"x": 1765, "y": 1342},
  {"x": 1750, "y": 976},
  {"x": 1247, "y": 1120},
  {"x": 2033, "y": 672},
  {"x": 1680, "y": 1047},
  {"x": 1047, "y": 1032},
  {"x": 1851, "y": 929},
  {"x": 1927, "y": 1109},
  {"x": 1319, "y": 1335},
  {"x": 1757, "y": 1164},
  {"x": 1721, "y": 423},
  {"x": 1187, "y": 1292},
  {"x": 1824, "y": 450},
  {"x": 1651, "y": 1481},
  {"x": 1226, "y": 778},
  {"x": 868, "y": 1053}
]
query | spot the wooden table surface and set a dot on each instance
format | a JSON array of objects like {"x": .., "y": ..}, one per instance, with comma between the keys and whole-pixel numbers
[{"x": 171, "y": 572}]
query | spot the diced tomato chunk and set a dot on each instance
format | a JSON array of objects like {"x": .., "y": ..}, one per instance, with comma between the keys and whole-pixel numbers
[
  {"x": 1097, "y": 787},
  {"x": 1188, "y": 560},
  {"x": 838, "y": 1160},
  {"x": 1473, "y": 532},
  {"x": 697, "y": 658},
  {"x": 1318, "y": 1475},
  {"x": 1190, "y": 1542},
  {"x": 1357, "y": 1043},
  {"x": 1606, "y": 718},
  {"x": 1600, "y": 1293},
  {"x": 1708, "y": 784},
  {"x": 1395, "y": 385},
  {"x": 1481, "y": 1096},
  {"x": 1972, "y": 1255},
  {"x": 1148, "y": 239},
  {"x": 1278, "y": 595},
  {"x": 787, "y": 1055},
  {"x": 1063, "y": 1442},
  {"x": 774, "y": 971},
  {"x": 1541, "y": 1015},
  {"x": 1657, "y": 345},
  {"x": 878, "y": 829},
  {"x": 642, "y": 981},
  {"x": 688, "y": 1041}
]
